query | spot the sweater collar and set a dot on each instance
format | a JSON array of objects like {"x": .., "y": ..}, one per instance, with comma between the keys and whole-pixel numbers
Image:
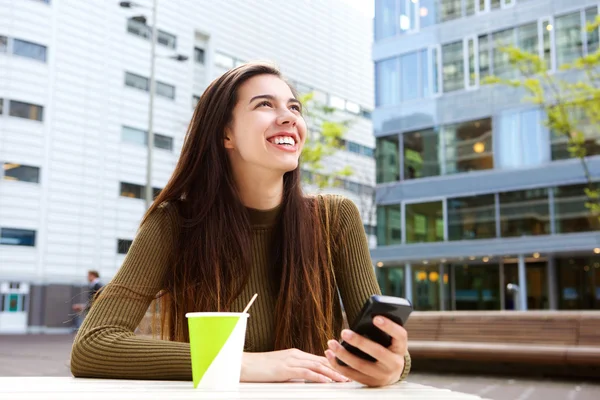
[{"x": 263, "y": 218}]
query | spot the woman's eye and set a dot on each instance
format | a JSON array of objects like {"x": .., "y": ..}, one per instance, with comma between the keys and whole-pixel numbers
[
  {"x": 296, "y": 108},
  {"x": 264, "y": 103}
]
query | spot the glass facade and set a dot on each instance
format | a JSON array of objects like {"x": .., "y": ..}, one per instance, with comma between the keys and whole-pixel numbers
[
  {"x": 472, "y": 217},
  {"x": 524, "y": 213},
  {"x": 570, "y": 211},
  {"x": 578, "y": 281},
  {"x": 463, "y": 134},
  {"x": 387, "y": 159},
  {"x": 389, "y": 225},
  {"x": 468, "y": 146},
  {"x": 421, "y": 153},
  {"x": 426, "y": 287},
  {"x": 490, "y": 215},
  {"x": 391, "y": 280},
  {"x": 477, "y": 287},
  {"x": 424, "y": 222}
]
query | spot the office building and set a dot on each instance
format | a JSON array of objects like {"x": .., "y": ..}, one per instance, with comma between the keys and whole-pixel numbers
[
  {"x": 74, "y": 93},
  {"x": 473, "y": 191}
]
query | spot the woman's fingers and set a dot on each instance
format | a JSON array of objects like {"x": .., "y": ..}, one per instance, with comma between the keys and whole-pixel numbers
[{"x": 319, "y": 368}]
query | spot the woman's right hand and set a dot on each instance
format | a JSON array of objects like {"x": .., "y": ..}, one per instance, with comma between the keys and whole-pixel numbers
[{"x": 285, "y": 365}]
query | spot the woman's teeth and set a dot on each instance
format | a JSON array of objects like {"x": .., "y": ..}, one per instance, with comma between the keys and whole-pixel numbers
[{"x": 284, "y": 140}]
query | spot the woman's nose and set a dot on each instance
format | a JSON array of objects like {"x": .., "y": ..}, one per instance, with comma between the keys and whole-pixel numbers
[{"x": 286, "y": 117}]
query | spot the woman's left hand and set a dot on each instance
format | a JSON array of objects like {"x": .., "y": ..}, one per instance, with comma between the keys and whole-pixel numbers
[{"x": 390, "y": 361}]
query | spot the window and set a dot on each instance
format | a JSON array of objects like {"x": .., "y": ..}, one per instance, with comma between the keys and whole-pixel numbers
[
  {"x": 337, "y": 102},
  {"x": 354, "y": 147},
  {"x": 139, "y": 28},
  {"x": 424, "y": 222},
  {"x": 137, "y": 81},
  {"x": 570, "y": 211},
  {"x": 17, "y": 237},
  {"x": 224, "y": 61},
  {"x": 524, "y": 213},
  {"x": 166, "y": 39},
  {"x": 521, "y": 139},
  {"x": 386, "y": 158},
  {"x": 473, "y": 72},
  {"x": 140, "y": 137},
  {"x": 413, "y": 70},
  {"x": 25, "y": 110},
  {"x": 389, "y": 224},
  {"x": 386, "y": 19},
  {"x": 407, "y": 15},
  {"x": 27, "y": 49},
  {"x": 421, "y": 153},
  {"x": 453, "y": 66},
  {"x": 568, "y": 37},
  {"x": 163, "y": 142},
  {"x": 427, "y": 13},
  {"x": 3, "y": 44},
  {"x": 387, "y": 82},
  {"x": 132, "y": 190},
  {"x": 135, "y": 191},
  {"x": 352, "y": 107},
  {"x": 409, "y": 67},
  {"x": 578, "y": 280},
  {"x": 426, "y": 287},
  {"x": 450, "y": 9},
  {"x": 1, "y": 106},
  {"x": 23, "y": 173},
  {"x": 477, "y": 287},
  {"x": 592, "y": 40},
  {"x": 500, "y": 59},
  {"x": 528, "y": 39},
  {"x": 165, "y": 90},
  {"x": 472, "y": 217},
  {"x": 199, "y": 55},
  {"x": 436, "y": 71},
  {"x": 582, "y": 123},
  {"x": 470, "y": 7},
  {"x": 391, "y": 281},
  {"x": 547, "y": 48},
  {"x": 485, "y": 56},
  {"x": 132, "y": 135},
  {"x": 370, "y": 229},
  {"x": 123, "y": 245},
  {"x": 468, "y": 146}
]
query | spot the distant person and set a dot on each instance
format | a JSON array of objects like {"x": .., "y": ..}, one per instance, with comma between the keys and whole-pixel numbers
[
  {"x": 94, "y": 286},
  {"x": 233, "y": 221}
]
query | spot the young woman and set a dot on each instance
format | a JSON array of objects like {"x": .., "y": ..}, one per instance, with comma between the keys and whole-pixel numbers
[{"x": 231, "y": 222}]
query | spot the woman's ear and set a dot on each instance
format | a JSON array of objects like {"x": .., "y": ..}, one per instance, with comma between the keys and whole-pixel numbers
[{"x": 227, "y": 138}]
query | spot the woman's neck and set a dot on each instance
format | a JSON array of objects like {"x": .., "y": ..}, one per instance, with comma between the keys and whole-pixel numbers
[{"x": 261, "y": 193}]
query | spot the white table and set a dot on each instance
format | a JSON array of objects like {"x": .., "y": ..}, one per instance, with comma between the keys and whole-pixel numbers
[{"x": 18, "y": 388}]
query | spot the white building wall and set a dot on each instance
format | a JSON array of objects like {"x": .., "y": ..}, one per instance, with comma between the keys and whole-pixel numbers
[{"x": 76, "y": 209}]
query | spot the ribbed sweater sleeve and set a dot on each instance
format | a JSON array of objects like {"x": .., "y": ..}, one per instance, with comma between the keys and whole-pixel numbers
[
  {"x": 106, "y": 345},
  {"x": 353, "y": 268}
]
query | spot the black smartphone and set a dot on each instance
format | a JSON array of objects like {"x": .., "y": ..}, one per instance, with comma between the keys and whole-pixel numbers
[{"x": 396, "y": 309}]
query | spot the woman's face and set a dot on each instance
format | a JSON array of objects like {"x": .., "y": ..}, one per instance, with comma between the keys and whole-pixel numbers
[{"x": 267, "y": 131}]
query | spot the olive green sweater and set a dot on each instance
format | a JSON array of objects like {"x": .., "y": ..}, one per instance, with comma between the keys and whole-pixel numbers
[{"x": 106, "y": 345}]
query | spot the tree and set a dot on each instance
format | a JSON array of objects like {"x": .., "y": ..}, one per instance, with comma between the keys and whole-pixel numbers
[
  {"x": 570, "y": 99},
  {"x": 326, "y": 136}
]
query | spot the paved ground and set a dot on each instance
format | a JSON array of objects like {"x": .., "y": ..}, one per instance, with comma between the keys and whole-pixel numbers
[{"x": 48, "y": 355}]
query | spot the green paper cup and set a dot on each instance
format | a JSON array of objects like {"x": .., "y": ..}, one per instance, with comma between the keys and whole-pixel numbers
[{"x": 216, "y": 346}]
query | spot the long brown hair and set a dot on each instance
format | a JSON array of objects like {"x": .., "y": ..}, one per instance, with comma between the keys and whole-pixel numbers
[{"x": 213, "y": 249}]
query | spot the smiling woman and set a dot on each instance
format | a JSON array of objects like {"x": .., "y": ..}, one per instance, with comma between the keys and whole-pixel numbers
[{"x": 213, "y": 239}]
